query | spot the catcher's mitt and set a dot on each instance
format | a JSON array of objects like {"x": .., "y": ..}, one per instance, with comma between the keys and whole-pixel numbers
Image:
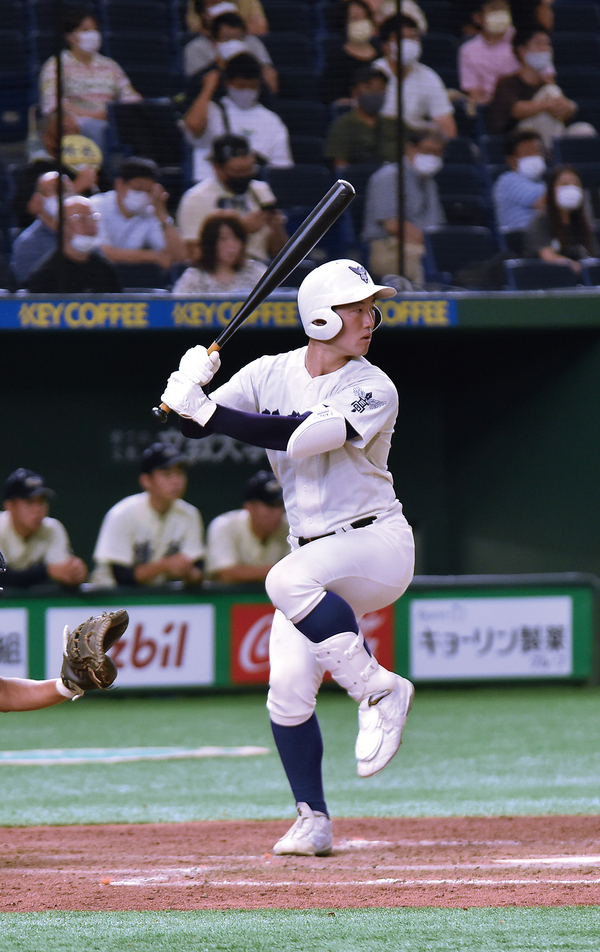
[{"x": 85, "y": 662}]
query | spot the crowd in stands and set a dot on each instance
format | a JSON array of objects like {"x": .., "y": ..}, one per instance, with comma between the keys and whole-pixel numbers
[
  {"x": 151, "y": 538},
  {"x": 197, "y": 133}
]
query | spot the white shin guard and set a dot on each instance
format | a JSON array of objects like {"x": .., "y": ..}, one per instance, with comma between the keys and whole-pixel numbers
[{"x": 344, "y": 655}]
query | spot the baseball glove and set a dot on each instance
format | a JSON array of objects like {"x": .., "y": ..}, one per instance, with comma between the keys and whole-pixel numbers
[{"x": 85, "y": 663}]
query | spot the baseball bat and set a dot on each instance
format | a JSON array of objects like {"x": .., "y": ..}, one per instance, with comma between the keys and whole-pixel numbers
[{"x": 304, "y": 239}]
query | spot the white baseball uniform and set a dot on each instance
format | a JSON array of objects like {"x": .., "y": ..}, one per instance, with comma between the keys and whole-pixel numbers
[
  {"x": 231, "y": 541},
  {"x": 369, "y": 567},
  {"x": 49, "y": 544},
  {"x": 134, "y": 533}
]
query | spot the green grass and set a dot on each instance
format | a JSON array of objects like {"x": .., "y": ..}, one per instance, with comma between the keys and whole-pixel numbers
[
  {"x": 395, "y": 930},
  {"x": 479, "y": 751}
]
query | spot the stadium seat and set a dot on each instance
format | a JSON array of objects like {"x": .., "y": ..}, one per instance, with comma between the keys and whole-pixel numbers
[
  {"x": 511, "y": 239},
  {"x": 142, "y": 277},
  {"x": 15, "y": 16},
  {"x": 156, "y": 83},
  {"x": 297, "y": 82},
  {"x": 460, "y": 179},
  {"x": 575, "y": 49},
  {"x": 588, "y": 172},
  {"x": 440, "y": 16},
  {"x": 591, "y": 271},
  {"x": 448, "y": 75},
  {"x": 461, "y": 150},
  {"x": 43, "y": 13},
  {"x": 530, "y": 274},
  {"x": 291, "y": 49},
  {"x": 302, "y": 117},
  {"x": 578, "y": 82},
  {"x": 452, "y": 247},
  {"x": 285, "y": 16},
  {"x": 299, "y": 186},
  {"x": 150, "y": 129},
  {"x": 577, "y": 149},
  {"x": 15, "y": 58},
  {"x": 307, "y": 149},
  {"x": 141, "y": 50},
  {"x": 358, "y": 175},
  {"x": 439, "y": 51},
  {"x": 295, "y": 279},
  {"x": 467, "y": 210},
  {"x": 14, "y": 109},
  {"x": 578, "y": 17},
  {"x": 137, "y": 15},
  {"x": 493, "y": 149}
]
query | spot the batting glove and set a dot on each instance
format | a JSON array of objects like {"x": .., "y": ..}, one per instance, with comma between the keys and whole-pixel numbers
[
  {"x": 199, "y": 365},
  {"x": 187, "y": 399}
]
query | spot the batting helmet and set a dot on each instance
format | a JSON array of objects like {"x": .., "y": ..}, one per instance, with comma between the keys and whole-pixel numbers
[{"x": 334, "y": 283}]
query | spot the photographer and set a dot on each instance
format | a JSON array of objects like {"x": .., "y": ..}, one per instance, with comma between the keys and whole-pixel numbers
[{"x": 232, "y": 187}]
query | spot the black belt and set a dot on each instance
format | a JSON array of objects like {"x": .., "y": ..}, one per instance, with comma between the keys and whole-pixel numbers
[{"x": 359, "y": 524}]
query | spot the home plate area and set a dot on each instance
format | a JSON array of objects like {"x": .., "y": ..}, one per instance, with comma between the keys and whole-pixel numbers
[{"x": 452, "y": 862}]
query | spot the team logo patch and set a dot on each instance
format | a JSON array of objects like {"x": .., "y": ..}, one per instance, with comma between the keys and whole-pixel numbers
[
  {"x": 365, "y": 401},
  {"x": 361, "y": 272}
]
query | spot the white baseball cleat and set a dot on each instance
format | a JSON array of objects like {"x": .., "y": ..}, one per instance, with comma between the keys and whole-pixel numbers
[
  {"x": 309, "y": 836},
  {"x": 381, "y": 720}
]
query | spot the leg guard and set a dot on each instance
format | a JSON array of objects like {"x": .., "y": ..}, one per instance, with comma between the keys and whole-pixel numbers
[{"x": 350, "y": 664}]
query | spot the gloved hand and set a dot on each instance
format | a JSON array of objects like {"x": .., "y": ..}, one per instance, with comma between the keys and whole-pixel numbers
[
  {"x": 199, "y": 365},
  {"x": 187, "y": 399}
]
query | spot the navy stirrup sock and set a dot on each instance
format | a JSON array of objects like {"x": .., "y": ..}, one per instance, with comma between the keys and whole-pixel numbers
[
  {"x": 331, "y": 616},
  {"x": 301, "y": 751}
]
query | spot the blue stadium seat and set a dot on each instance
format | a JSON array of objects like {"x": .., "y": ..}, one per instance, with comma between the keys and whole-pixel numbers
[
  {"x": 591, "y": 272},
  {"x": 297, "y": 82},
  {"x": 572, "y": 149},
  {"x": 148, "y": 128},
  {"x": 531, "y": 274},
  {"x": 295, "y": 279},
  {"x": 440, "y": 16},
  {"x": 285, "y": 16},
  {"x": 157, "y": 82},
  {"x": 575, "y": 49},
  {"x": 142, "y": 277},
  {"x": 307, "y": 149},
  {"x": 461, "y": 150},
  {"x": 579, "y": 82},
  {"x": 358, "y": 175},
  {"x": 299, "y": 186},
  {"x": 14, "y": 109},
  {"x": 302, "y": 117},
  {"x": 578, "y": 17},
  {"x": 467, "y": 210},
  {"x": 493, "y": 149},
  {"x": 15, "y": 59},
  {"x": 137, "y": 15},
  {"x": 439, "y": 50},
  {"x": 43, "y": 13},
  {"x": 512, "y": 240},
  {"x": 15, "y": 16},
  {"x": 588, "y": 172},
  {"x": 141, "y": 49},
  {"x": 461, "y": 179},
  {"x": 452, "y": 247},
  {"x": 291, "y": 49}
]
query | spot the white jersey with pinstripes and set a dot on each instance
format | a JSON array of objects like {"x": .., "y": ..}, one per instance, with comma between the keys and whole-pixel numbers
[{"x": 329, "y": 491}]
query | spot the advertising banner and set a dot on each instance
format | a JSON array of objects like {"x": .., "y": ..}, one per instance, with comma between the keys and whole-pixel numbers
[
  {"x": 251, "y": 627},
  {"x": 511, "y": 637},
  {"x": 163, "y": 645},
  {"x": 13, "y": 643}
]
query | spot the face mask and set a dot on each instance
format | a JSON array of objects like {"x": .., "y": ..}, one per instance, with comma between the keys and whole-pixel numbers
[
  {"x": 50, "y": 205},
  {"x": 243, "y": 98},
  {"x": 532, "y": 166},
  {"x": 84, "y": 243},
  {"x": 541, "y": 61},
  {"x": 230, "y": 48},
  {"x": 426, "y": 164},
  {"x": 360, "y": 31},
  {"x": 89, "y": 41},
  {"x": 498, "y": 21},
  {"x": 136, "y": 202},
  {"x": 569, "y": 197},
  {"x": 371, "y": 103},
  {"x": 239, "y": 184},
  {"x": 411, "y": 52}
]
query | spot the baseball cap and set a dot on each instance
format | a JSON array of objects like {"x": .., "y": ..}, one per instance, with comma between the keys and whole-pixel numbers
[
  {"x": 161, "y": 456},
  {"x": 263, "y": 487},
  {"x": 25, "y": 484}
]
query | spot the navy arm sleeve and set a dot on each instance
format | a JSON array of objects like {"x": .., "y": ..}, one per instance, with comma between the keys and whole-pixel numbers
[
  {"x": 271, "y": 431},
  {"x": 23, "y": 578}
]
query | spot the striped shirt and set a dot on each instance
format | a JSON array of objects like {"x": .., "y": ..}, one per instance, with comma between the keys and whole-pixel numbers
[
  {"x": 514, "y": 198},
  {"x": 87, "y": 86}
]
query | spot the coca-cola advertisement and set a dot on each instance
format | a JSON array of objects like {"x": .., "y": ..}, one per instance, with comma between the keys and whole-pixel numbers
[{"x": 251, "y": 627}]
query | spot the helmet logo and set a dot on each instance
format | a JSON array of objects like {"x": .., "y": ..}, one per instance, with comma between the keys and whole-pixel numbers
[{"x": 361, "y": 272}]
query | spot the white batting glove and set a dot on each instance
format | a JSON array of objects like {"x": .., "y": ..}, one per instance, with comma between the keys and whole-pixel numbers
[
  {"x": 187, "y": 399},
  {"x": 199, "y": 365}
]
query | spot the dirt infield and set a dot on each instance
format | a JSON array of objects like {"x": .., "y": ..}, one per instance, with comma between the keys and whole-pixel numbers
[{"x": 457, "y": 862}]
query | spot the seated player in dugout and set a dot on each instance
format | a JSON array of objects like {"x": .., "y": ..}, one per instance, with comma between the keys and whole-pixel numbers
[
  {"x": 244, "y": 544},
  {"x": 36, "y": 547},
  {"x": 27, "y": 694},
  {"x": 325, "y": 415},
  {"x": 153, "y": 537}
]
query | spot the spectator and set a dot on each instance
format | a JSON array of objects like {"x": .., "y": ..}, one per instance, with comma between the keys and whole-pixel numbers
[
  {"x": 238, "y": 112},
  {"x": 425, "y": 99},
  {"x": 40, "y": 239},
  {"x": 363, "y": 134},
  {"x": 357, "y": 50},
  {"x": 489, "y": 56},
  {"x": 244, "y": 544},
  {"x": 228, "y": 37},
  {"x": 233, "y": 187},
  {"x": 422, "y": 207},
  {"x": 90, "y": 81},
  {"x": 530, "y": 98},
  {"x": 223, "y": 265},
  {"x": 153, "y": 537},
  {"x": 35, "y": 546},
  {"x": 135, "y": 226},
  {"x": 529, "y": 14},
  {"x": 562, "y": 233},
  {"x": 26, "y": 177},
  {"x": 201, "y": 13},
  {"x": 520, "y": 193},
  {"x": 79, "y": 269}
]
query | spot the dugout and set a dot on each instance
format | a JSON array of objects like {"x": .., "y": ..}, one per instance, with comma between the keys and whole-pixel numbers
[{"x": 496, "y": 452}]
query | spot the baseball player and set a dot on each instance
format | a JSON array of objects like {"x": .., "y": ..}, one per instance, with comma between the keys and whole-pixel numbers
[
  {"x": 85, "y": 665},
  {"x": 153, "y": 537},
  {"x": 242, "y": 545},
  {"x": 326, "y": 417}
]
